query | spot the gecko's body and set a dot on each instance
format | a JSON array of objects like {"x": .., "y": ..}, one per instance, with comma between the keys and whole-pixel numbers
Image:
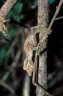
[{"x": 31, "y": 44}]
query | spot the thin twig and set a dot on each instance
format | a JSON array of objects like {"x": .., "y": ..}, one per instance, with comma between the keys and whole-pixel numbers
[
  {"x": 16, "y": 58},
  {"x": 14, "y": 42},
  {"x": 58, "y": 18},
  {"x": 6, "y": 86},
  {"x": 56, "y": 13},
  {"x": 13, "y": 65}
]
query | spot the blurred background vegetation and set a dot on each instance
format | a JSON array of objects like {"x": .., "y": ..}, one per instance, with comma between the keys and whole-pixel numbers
[{"x": 22, "y": 17}]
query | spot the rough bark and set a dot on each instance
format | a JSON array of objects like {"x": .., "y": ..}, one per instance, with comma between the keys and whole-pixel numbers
[
  {"x": 43, "y": 10},
  {"x": 42, "y": 71},
  {"x": 6, "y": 7}
]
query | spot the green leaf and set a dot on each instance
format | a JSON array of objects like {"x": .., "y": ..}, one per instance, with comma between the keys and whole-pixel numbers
[
  {"x": 2, "y": 54},
  {"x": 51, "y": 1},
  {"x": 18, "y": 7}
]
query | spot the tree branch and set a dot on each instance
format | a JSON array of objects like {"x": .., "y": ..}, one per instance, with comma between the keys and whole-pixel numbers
[
  {"x": 43, "y": 12},
  {"x": 43, "y": 16},
  {"x": 56, "y": 13},
  {"x": 58, "y": 18},
  {"x": 6, "y": 86},
  {"x": 6, "y": 7}
]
